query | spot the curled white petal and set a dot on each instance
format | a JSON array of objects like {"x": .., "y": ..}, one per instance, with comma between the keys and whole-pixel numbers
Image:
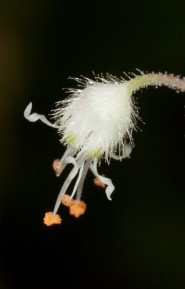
[
  {"x": 110, "y": 187},
  {"x": 35, "y": 116}
]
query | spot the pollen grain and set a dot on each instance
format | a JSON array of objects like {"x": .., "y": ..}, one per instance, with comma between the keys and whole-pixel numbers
[
  {"x": 51, "y": 219},
  {"x": 77, "y": 209}
]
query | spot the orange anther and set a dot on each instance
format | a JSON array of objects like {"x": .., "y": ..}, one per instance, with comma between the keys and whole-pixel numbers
[
  {"x": 77, "y": 208},
  {"x": 66, "y": 200},
  {"x": 51, "y": 219},
  {"x": 98, "y": 183},
  {"x": 57, "y": 166}
]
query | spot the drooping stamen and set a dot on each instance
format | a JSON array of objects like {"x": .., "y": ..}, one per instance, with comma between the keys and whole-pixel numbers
[{"x": 72, "y": 174}]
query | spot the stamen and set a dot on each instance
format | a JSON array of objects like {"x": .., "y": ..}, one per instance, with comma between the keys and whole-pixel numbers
[
  {"x": 67, "y": 182},
  {"x": 51, "y": 219},
  {"x": 77, "y": 209}
]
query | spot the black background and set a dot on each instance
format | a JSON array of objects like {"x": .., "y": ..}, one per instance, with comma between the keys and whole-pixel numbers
[{"x": 138, "y": 239}]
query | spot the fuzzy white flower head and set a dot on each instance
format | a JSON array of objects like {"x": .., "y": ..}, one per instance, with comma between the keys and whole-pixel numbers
[
  {"x": 96, "y": 121},
  {"x": 98, "y": 118}
]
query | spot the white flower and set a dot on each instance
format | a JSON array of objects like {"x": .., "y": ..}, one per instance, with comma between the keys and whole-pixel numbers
[{"x": 96, "y": 121}]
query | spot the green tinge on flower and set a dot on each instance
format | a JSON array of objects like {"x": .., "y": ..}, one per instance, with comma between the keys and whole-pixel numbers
[
  {"x": 94, "y": 154},
  {"x": 70, "y": 138},
  {"x": 96, "y": 121}
]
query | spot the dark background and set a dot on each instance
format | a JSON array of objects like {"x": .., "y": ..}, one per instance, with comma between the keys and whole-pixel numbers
[{"x": 138, "y": 239}]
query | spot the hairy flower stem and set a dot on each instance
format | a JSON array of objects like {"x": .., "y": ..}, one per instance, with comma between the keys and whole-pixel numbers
[{"x": 155, "y": 79}]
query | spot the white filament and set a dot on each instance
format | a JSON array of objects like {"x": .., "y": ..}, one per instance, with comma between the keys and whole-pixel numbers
[
  {"x": 77, "y": 181},
  {"x": 72, "y": 174}
]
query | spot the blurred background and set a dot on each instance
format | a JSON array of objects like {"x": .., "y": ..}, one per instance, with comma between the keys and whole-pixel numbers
[{"x": 138, "y": 239}]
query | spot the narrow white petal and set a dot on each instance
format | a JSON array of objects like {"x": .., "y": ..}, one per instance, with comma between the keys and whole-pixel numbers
[
  {"x": 110, "y": 187},
  {"x": 35, "y": 116}
]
